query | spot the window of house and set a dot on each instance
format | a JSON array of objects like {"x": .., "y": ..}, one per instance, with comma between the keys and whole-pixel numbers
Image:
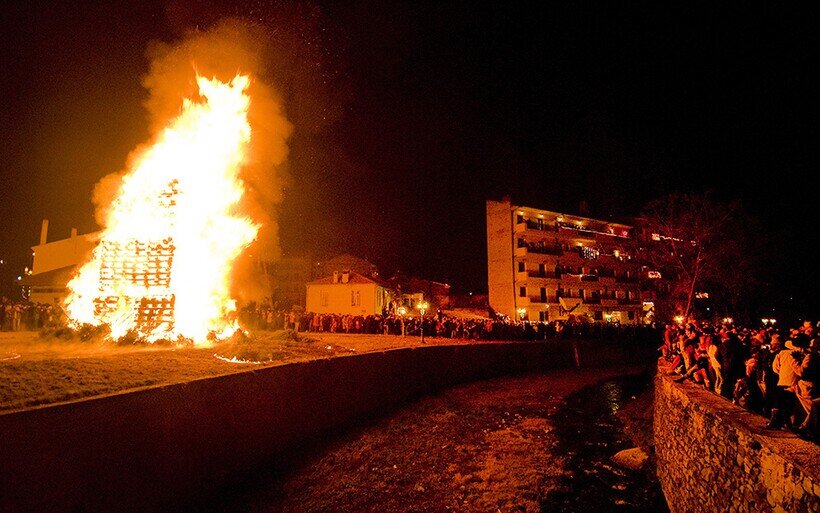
[
  {"x": 543, "y": 295},
  {"x": 631, "y": 316},
  {"x": 522, "y": 291},
  {"x": 543, "y": 316},
  {"x": 323, "y": 298},
  {"x": 598, "y": 315},
  {"x": 521, "y": 267},
  {"x": 355, "y": 298},
  {"x": 519, "y": 219}
]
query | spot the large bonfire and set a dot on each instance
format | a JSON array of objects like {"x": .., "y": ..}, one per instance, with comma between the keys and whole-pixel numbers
[{"x": 162, "y": 267}]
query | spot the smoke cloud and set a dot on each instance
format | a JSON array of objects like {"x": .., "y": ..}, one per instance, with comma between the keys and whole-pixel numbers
[{"x": 232, "y": 46}]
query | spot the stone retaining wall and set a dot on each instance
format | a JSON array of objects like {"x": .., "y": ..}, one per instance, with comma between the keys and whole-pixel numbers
[{"x": 714, "y": 456}]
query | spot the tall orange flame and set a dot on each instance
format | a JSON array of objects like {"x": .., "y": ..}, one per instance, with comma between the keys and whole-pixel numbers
[{"x": 163, "y": 264}]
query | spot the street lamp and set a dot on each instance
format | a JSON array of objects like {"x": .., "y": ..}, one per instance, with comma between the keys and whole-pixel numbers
[
  {"x": 422, "y": 306},
  {"x": 402, "y": 312},
  {"x": 521, "y": 313}
]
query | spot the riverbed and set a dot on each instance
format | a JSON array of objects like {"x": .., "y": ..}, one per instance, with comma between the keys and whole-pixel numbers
[{"x": 532, "y": 443}]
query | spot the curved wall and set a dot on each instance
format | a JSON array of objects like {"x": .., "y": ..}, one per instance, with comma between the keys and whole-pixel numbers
[
  {"x": 715, "y": 456},
  {"x": 171, "y": 447}
]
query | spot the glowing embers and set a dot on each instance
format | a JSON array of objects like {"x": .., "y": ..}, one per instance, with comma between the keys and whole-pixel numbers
[{"x": 135, "y": 281}]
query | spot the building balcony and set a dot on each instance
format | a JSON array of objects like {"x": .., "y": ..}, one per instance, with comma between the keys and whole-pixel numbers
[
  {"x": 608, "y": 301},
  {"x": 531, "y": 224},
  {"x": 545, "y": 250},
  {"x": 592, "y": 301},
  {"x": 589, "y": 277},
  {"x": 544, "y": 275},
  {"x": 628, "y": 301},
  {"x": 626, "y": 279}
]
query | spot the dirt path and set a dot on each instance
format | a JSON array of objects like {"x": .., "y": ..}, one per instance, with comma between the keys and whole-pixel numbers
[{"x": 484, "y": 447}]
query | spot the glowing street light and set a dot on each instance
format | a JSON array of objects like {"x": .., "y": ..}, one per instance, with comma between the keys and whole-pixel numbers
[
  {"x": 521, "y": 313},
  {"x": 728, "y": 320},
  {"x": 679, "y": 319},
  {"x": 422, "y": 306},
  {"x": 402, "y": 311}
]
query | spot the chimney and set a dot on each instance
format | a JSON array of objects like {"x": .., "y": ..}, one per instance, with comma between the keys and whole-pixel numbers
[
  {"x": 335, "y": 276},
  {"x": 44, "y": 232},
  {"x": 345, "y": 276},
  {"x": 73, "y": 232}
]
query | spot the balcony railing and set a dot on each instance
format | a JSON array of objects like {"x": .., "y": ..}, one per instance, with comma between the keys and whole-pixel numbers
[
  {"x": 539, "y": 274},
  {"x": 543, "y": 227},
  {"x": 545, "y": 250},
  {"x": 592, "y": 301},
  {"x": 627, "y": 301},
  {"x": 626, "y": 279},
  {"x": 589, "y": 277},
  {"x": 542, "y": 299}
]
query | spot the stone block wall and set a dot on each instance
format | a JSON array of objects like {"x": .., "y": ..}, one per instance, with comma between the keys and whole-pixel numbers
[{"x": 715, "y": 456}]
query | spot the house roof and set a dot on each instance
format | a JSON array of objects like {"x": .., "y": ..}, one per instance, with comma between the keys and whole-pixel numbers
[{"x": 355, "y": 278}]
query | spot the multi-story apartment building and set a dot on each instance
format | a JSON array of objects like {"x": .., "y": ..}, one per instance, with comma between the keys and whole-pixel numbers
[{"x": 549, "y": 266}]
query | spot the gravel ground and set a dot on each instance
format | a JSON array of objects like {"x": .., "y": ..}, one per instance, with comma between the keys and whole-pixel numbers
[{"x": 484, "y": 447}]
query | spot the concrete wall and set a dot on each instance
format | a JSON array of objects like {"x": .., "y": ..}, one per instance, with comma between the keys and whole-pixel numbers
[
  {"x": 171, "y": 447},
  {"x": 64, "y": 252},
  {"x": 715, "y": 456},
  {"x": 500, "y": 258}
]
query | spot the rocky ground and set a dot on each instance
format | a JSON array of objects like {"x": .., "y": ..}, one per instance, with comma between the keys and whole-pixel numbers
[
  {"x": 36, "y": 371},
  {"x": 513, "y": 444}
]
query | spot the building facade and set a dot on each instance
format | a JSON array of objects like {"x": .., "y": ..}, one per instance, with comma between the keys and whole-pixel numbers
[
  {"x": 285, "y": 280},
  {"x": 54, "y": 264},
  {"x": 545, "y": 265},
  {"x": 348, "y": 293}
]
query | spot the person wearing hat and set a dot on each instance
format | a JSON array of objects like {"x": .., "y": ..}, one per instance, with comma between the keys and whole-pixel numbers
[{"x": 784, "y": 365}]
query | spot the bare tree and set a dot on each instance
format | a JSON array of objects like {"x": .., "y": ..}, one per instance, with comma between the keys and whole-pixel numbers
[{"x": 698, "y": 242}]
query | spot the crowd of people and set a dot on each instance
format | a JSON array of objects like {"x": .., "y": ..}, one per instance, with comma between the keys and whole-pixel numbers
[
  {"x": 434, "y": 324},
  {"x": 27, "y": 316},
  {"x": 765, "y": 371}
]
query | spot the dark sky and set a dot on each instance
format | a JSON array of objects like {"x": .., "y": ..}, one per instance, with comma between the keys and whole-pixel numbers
[{"x": 437, "y": 108}]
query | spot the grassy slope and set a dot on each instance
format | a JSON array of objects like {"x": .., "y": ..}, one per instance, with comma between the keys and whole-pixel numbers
[{"x": 35, "y": 371}]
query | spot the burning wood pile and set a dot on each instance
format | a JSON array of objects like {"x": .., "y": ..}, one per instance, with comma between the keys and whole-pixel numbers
[{"x": 172, "y": 232}]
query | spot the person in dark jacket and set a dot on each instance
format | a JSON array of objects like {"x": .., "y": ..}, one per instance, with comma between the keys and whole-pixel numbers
[{"x": 732, "y": 363}]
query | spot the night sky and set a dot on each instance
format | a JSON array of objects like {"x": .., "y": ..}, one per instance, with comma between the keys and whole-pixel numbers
[{"x": 408, "y": 118}]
